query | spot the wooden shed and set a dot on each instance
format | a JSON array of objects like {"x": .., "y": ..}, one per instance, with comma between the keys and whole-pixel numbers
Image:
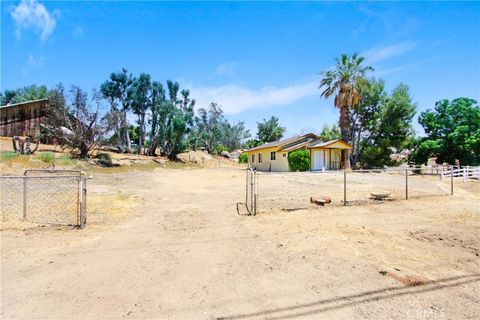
[{"x": 23, "y": 118}]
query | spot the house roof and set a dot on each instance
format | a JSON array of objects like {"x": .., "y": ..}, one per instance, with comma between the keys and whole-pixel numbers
[
  {"x": 326, "y": 144},
  {"x": 20, "y": 103},
  {"x": 297, "y": 146},
  {"x": 285, "y": 142}
]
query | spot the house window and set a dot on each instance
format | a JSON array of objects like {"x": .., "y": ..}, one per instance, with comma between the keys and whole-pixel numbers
[
  {"x": 253, "y": 158},
  {"x": 273, "y": 155},
  {"x": 284, "y": 155},
  {"x": 259, "y": 158}
]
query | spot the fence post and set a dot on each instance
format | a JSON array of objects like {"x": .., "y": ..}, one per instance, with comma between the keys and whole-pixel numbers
[
  {"x": 25, "y": 196},
  {"x": 451, "y": 181},
  {"x": 344, "y": 187},
  {"x": 83, "y": 205},
  {"x": 255, "y": 190},
  {"x": 406, "y": 184}
]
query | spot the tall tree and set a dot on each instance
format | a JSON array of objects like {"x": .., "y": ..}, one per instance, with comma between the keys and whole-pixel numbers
[
  {"x": 345, "y": 82},
  {"x": 453, "y": 133},
  {"x": 157, "y": 102},
  {"x": 233, "y": 135},
  {"x": 270, "y": 130},
  {"x": 330, "y": 133},
  {"x": 118, "y": 91},
  {"x": 388, "y": 129},
  {"x": 141, "y": 102},
  {"x": 28, "y": 93},
  {"x": 175, "y": 121},
  {"x": 208, "y": 128},
  {"x": 74, "y": 124},
  {"x": 365, "y": 117}
]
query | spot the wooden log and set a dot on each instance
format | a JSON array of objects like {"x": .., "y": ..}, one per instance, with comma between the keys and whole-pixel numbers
[{"x": 321, "y": 200}]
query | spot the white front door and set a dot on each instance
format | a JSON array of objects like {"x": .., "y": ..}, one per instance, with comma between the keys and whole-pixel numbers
[{"x": 318, "y": 160}]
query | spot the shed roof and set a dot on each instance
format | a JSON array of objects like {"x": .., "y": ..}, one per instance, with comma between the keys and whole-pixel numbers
[{"x": 21, "y": 103}]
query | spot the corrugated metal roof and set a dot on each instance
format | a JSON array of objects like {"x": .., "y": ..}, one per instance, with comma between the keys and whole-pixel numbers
[{"x": 20, "y": 103}]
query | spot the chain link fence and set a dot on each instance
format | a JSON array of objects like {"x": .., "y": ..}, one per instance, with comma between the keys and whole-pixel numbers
[
  {"x": 299, "y": 190},
  {"x": 57, "y": 197}
]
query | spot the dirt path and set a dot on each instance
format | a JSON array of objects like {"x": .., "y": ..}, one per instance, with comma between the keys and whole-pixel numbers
[{"x": 186, "y": 254}]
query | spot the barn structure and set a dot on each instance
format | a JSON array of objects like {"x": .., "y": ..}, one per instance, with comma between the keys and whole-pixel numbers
[{"x": 23, "y": 119}]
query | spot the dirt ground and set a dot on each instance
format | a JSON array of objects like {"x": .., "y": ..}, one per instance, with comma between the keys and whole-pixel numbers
[{"x": 168, "y": 244}]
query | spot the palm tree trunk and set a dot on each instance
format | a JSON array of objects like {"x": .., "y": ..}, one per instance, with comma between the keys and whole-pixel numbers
[{"x": 345, "y": 124}]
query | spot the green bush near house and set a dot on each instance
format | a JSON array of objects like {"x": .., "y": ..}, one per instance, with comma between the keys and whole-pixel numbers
[
  {"x": 47, "y": 157},
  {"x": 299, "y": 160},
  {"x": 243, "y": 158}
]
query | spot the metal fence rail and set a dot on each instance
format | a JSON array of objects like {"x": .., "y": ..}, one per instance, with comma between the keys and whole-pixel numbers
[
  {"x": 294, "y": 190},
  {"x": 45, "y": 197}
]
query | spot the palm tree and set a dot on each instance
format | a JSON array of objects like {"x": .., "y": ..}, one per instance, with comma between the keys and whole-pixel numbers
[{"x": 346, "y": 82}]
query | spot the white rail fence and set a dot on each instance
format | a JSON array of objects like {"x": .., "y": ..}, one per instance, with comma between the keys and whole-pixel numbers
[{"x": 466, "y": 173}]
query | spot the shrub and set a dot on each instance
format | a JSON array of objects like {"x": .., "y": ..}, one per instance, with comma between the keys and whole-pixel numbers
[
  {"x": 243, "y": 158},
  {"x": 218, "y": 149},
  {"x": 104, "y": 159},
  {"x": 299, "y": 160},
  {"x": 47, "y": 157}
]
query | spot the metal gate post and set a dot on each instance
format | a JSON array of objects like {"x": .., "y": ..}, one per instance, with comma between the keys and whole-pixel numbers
[
  {"x": 83, "y": 200},
  {"x": 255, "y": 194},
  {"x": 24, "y": 196},
  {"x": 451, "y": 180}
]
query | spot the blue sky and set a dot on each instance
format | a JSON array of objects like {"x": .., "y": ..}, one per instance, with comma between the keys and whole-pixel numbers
[{"x": 255, "y": 59}]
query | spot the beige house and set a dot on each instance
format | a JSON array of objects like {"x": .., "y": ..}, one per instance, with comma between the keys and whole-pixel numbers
[{"x": 273, "y": 156}]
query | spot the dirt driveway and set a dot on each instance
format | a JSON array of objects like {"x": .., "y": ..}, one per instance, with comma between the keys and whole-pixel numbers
[{"x": 182, "y": 252}]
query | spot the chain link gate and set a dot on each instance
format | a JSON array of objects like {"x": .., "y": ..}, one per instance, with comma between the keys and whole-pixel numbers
[{"x": 56, "y": 197}]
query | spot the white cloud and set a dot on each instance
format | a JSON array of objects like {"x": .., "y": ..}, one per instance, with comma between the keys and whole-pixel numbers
[
  {"x": 29, "y": 14},
  {"x": 226, "y": 69},
  {"x": 379, "y": 54},
  {"x": 35, "y": 61},
  {"x": 235, "y": 99}
]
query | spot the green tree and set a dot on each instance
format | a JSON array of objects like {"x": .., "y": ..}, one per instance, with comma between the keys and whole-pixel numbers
[
  {"x": 252, "y": 143},
  {"x": 299, "y": 160},
  {"x": 233, "y": 135},
  {"x": 176, "y": 118},
  {"x": 28, "y": 93},
  {"x": 270, "y": 130},
  {"x": 328, "y": 133},
  {"x": 389, "y": 129},
  {"x": 7, "y": 97},
  {"x": 453, "y": 133},
  {"x": 141, "y": 102},
  {"x": 208, "y": 129},
  {"x": 156, "y": 105},
  {"x": 346, "y": 82},
  {"x": 118, "y": 91}
]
